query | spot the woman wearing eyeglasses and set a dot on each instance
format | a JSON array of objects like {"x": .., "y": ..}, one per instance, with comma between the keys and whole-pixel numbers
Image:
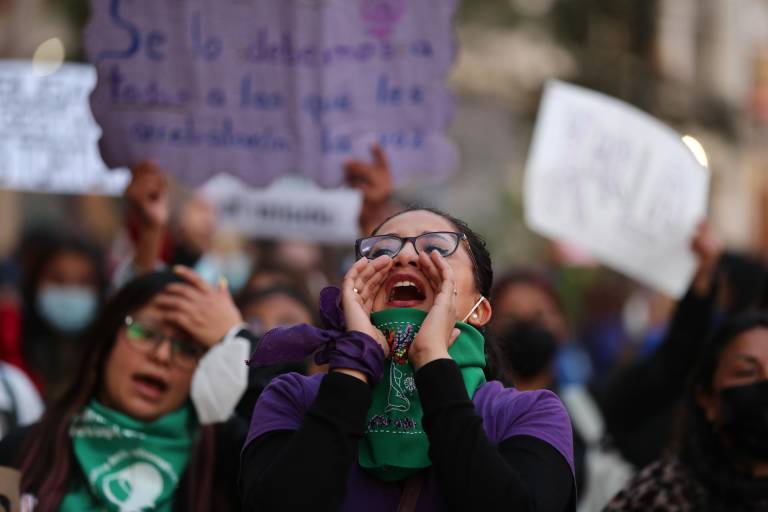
[
  {"x": 125, "y": 437},
  {"x": 404, "y": 420}
]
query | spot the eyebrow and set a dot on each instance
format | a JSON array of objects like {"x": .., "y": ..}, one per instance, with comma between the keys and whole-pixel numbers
[
  {"x": 146, "y": 318},
  {"x": 422, "y": 233},
  {"x": 748, "y": 358}
]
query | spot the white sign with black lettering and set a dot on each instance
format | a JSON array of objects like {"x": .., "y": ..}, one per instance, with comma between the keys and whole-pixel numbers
[
  {"x": 288, "y": 209},
  {"x": 613, "y": 180},
  {"x": 48, "y": 138}
]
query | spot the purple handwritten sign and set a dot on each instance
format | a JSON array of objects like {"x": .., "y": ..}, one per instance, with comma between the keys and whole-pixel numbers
[{"x": 263, "y": 88}]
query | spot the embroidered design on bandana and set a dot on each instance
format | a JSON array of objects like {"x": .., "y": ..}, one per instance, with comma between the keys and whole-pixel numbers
[
  {"x": 394, "y": 445},
  {"x": 402, "y": 386},
  {"x": 399, "y": 339}
]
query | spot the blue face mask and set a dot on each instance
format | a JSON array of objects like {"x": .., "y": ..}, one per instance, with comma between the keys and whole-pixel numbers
[
  {"x": 67, "y": 308},
  {"x": 234, "y": 267}
]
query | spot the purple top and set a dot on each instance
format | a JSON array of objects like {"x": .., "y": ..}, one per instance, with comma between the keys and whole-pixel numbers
[{"x": 506, "y": 412}]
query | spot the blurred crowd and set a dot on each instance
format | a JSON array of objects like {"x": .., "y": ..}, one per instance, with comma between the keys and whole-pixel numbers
[{"x": 660, "y": 393}]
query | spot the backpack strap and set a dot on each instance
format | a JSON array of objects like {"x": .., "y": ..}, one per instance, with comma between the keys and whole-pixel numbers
[{"x": 411, "y": 492}]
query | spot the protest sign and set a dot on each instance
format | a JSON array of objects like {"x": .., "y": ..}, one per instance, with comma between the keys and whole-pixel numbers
[
  {"x": 616, "y": 182},
  {"x": 47, "y": 134},
  {"x": 288, "y": 209},
  {"x": 264, "y": 88}
]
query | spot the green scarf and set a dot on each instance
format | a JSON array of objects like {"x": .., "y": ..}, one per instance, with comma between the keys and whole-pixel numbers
[
  {"x": 129, "y": 465},
  {"x": 395, "y": 446}
]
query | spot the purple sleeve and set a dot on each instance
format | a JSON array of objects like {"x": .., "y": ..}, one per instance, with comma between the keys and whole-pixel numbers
[
  {"x": 507, "y": 412},
  {"x": 283, "y": 404}
]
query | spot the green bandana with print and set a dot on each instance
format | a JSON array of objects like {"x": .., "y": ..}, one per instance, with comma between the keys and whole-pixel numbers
[
  {"x": 395, "y": 445},
  {"x": 129, "y": 465}
]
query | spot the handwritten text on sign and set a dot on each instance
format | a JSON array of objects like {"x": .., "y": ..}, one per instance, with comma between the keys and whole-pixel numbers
[
  {"x": 261, "y": 88},
  {"x": 47, "y": 134},
  {"x": 287, "y": 209},
  {"x": 615, "y": 181}
]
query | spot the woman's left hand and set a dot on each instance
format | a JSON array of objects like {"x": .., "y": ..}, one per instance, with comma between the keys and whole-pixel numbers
[
  {"x": 437, "y": 333},
  {"x": 205, "y": 312}
]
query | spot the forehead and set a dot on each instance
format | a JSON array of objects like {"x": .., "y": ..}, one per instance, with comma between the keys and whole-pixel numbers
[
  {"x": 526, "y": 294},
  {"x": 752, "y": 343},
  {"x": 276, "y": 303},
  {"x": 69, "y": 260},
  {"x": 153, "y": 313},
  {"x": 414, "y": 223}
]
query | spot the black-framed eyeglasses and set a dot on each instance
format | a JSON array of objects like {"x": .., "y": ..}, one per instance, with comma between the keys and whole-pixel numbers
[
  {"x": 147, "y": 339},
  {"x": 444, "y": 242}
]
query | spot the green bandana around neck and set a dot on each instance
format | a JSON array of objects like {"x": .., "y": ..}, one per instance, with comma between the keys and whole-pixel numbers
[
  {"x": 395, "y": 445},
  {"x": 129, "y": 465}
]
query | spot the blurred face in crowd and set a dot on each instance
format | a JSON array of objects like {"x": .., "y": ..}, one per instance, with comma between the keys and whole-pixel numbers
[
  {"x": 69, "y": 268},
  {"x": 276, "y": 310},
  {"x": 145, "y": 377},
  {"x": 67, "y": 292},
  {"x": 261, "y": 279},
  {"x": 744, "y": 361},
  {"x": 528, "y": 302},
  {"x": 407, "y": 284},
  {"x": 301, "y": 255}
]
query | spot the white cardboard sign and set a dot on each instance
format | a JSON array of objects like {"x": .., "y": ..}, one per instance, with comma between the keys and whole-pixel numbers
[
  {"x": 287, "y": 209},
  {"x": 48, "y": 138},
  {"x": 613, "y": 180}
]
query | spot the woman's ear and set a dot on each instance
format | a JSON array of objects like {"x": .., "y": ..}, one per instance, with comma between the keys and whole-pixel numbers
[{"x": 482, "y": 314}]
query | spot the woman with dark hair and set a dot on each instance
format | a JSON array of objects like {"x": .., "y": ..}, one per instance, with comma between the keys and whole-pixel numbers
[
  {"x": 404, "y": 419},
  {"x": 273, "y": 306},
  {"x": 263, "y": 309},
  {"x": 61, "y": 291},
  {"x": 721, "y": 462},
  {"x": 125, "y": 436}
]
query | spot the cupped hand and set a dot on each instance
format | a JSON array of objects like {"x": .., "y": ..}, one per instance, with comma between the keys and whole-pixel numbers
[
  {"x": 437, "y": 333},
  {"x": 204, "y": 311},
  {"x": 358, "y": 290},
  {"x": 147, "y": 194}
]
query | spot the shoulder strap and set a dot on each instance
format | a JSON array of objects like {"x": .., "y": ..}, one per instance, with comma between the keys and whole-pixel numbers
[{"x": 411, "y": 491}]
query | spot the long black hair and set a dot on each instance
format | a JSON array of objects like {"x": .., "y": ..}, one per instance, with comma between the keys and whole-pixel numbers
[
  {"x": 48, "y": 359},
  {"x": 48, "y": 462},
  {"x": 483, "y": 270},
  {"x": 39, "y": 249},
  {"x": 701, "y": 448}
]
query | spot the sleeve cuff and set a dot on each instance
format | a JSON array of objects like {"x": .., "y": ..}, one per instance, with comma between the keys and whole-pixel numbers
[
  {"x": 344, "y": 400},
  {"x": 440, "y": 384},
  {"x": 237, "y": 331},
  {"x": 220, "y": 379}
]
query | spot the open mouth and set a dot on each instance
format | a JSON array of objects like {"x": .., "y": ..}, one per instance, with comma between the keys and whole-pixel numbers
[
  {"x": 405, "y": 291},
  {"x": 150, "y": 386}
]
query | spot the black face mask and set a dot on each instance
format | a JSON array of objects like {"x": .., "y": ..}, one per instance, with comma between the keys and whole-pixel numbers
[
  {"x": 185, "y": 256},
  {"x": 527, "y": 348},
  {"x": 745, "y": 418}
]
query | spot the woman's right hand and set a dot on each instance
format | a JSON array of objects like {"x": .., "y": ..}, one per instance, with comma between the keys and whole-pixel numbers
[
  {"x": 147, "y": 194},
  {"x": 358, "y": 290}
]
